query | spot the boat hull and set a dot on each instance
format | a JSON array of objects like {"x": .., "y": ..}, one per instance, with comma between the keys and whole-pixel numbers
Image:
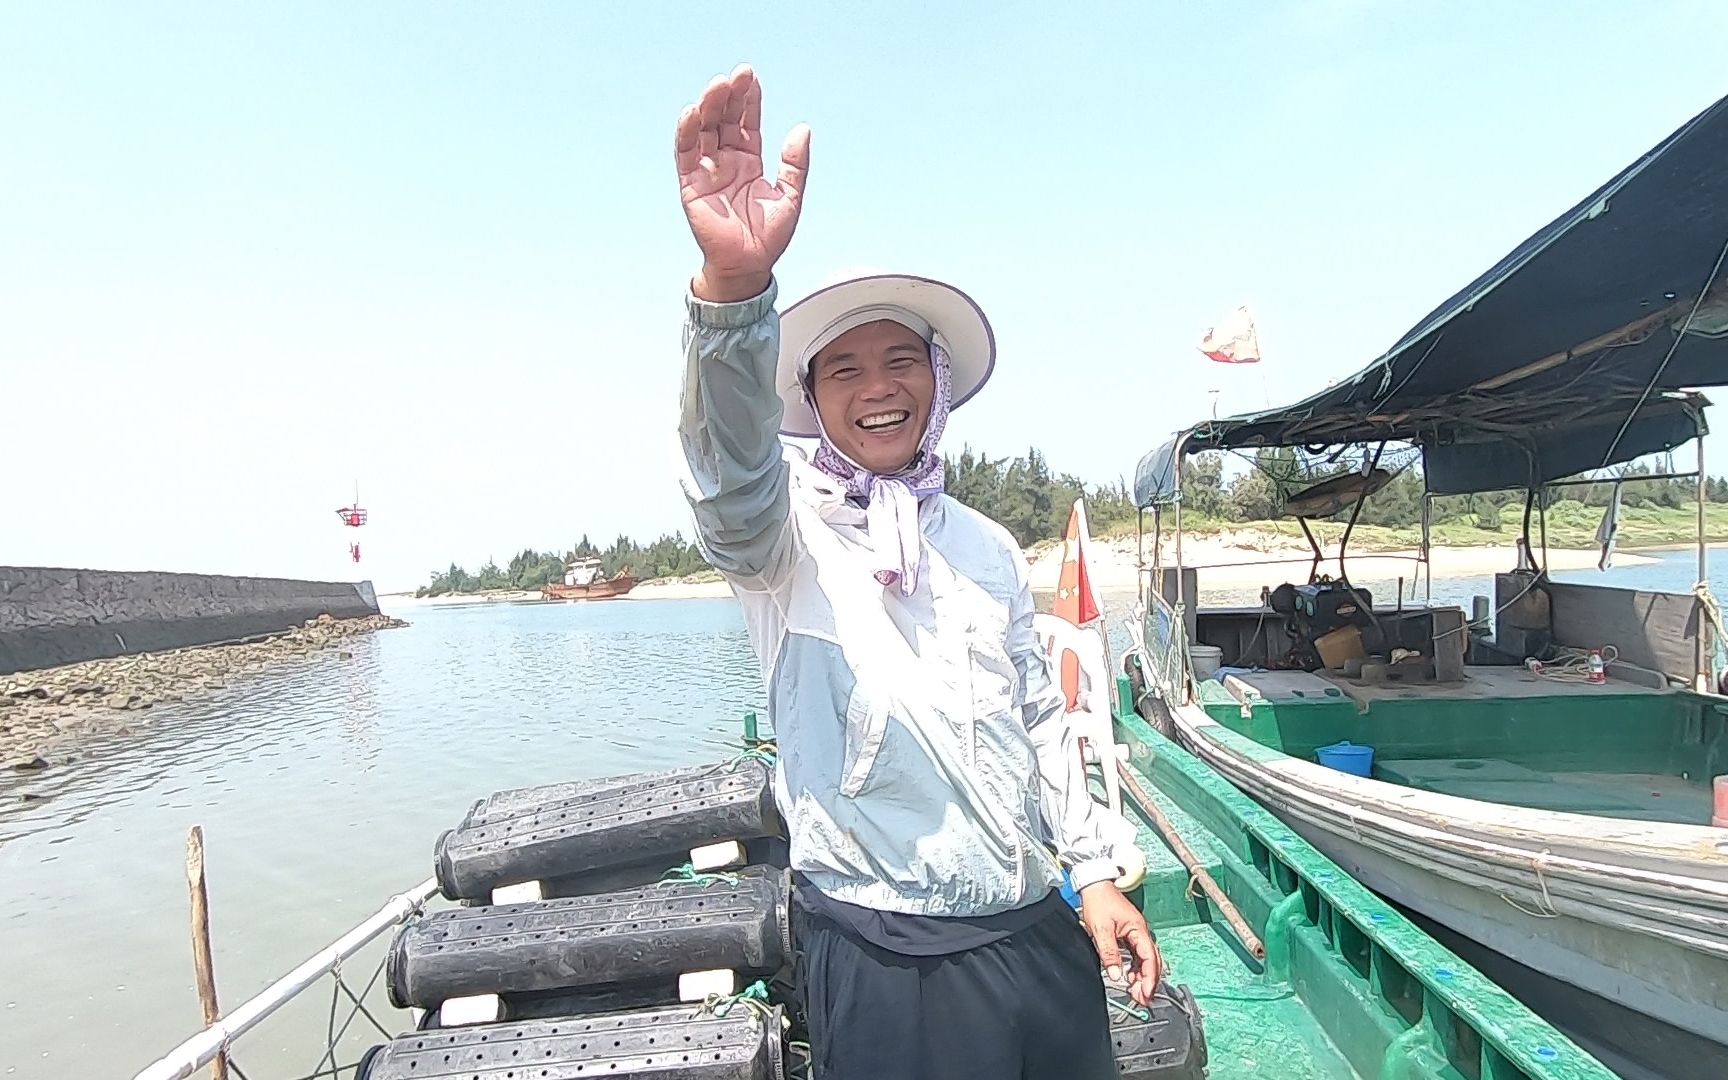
[
  {"x": 1615, "y": 929},
  {"x": 599, "y": 590}
]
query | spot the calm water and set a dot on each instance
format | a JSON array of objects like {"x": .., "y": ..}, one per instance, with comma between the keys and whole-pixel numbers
[{"x": 321, "y": 789}]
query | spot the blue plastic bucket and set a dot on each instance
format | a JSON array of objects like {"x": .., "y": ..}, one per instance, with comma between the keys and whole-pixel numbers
[{"x": 1347, "y": 757}]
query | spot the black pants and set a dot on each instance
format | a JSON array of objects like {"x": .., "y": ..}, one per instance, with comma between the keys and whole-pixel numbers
[{"x": 1027, "y": 1007}]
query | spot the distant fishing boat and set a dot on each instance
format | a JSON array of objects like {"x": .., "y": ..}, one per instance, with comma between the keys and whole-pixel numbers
[{"x": 582, "y": 581}]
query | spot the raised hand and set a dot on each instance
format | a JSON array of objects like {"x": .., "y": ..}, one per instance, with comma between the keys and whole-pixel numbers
[{"x": 741, "y": 222}]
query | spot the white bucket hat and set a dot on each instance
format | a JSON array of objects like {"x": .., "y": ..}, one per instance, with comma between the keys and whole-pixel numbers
[{"x": 953, "y": 319}]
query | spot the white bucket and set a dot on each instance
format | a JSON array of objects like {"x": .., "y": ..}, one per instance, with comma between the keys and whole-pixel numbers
[{"x": 1206, "y": 660}]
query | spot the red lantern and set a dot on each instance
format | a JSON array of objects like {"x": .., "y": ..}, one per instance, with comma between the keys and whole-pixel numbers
[{"x": 353, "y": 517}]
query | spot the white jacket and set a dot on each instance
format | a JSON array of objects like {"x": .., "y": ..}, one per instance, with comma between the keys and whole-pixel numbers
[{"x": 913, "y": 730}]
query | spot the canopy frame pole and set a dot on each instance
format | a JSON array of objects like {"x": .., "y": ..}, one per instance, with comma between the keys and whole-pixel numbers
[
  {"x": 1703, "y": 526},
  {"x": 1705, "y": 657},
  {"x": 1356, "y": 512},
  {"x": 1313, "y": 567},
  {"x": 1542, "y": 520},
  {"x": 1427, "y": 550},
  {"x": 1179, "y": 520},
  {"x": 1141, "y": 572},
  {"x": 1157, "y": 539},
  {"x": 1529, "y": 513}
]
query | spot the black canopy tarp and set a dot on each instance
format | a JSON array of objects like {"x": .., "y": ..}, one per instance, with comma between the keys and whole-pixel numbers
[{"x": 1556, "y": 360}]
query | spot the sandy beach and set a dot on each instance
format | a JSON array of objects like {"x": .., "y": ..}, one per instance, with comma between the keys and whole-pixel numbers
[{"x": 1228, "y": 561}]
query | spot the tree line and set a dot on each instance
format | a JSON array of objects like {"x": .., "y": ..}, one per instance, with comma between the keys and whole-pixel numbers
[
  {"x": 1260, "y": 491},
  {"x": 1032, "y": 502},
  {"x": 669, "y": 556}
]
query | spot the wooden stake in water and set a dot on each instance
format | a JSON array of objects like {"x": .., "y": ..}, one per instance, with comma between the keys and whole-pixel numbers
[{"x": 201, "y": 939}]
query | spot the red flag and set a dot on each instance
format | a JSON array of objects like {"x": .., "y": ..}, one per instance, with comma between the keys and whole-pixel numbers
[{"x": 1233, "y": 341}]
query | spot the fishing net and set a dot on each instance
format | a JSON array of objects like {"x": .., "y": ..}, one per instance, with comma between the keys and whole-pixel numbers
[{"x": 353, "y": 1022}]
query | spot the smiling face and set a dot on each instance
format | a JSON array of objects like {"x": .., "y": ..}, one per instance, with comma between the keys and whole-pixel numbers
[{"x": 873, "y": 386}]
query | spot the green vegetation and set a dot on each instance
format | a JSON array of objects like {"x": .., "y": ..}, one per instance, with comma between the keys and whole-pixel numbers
[
  {"x": 669, "y": 556},
  {"x": 1652, "y": 512},
  {"x": 1033, "y": 503},
  {"x": 1029, "y": 500}
]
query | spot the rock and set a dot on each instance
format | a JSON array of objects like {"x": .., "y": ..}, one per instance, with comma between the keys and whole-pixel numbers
[
  {"x": 344, "y": 655},
  {"x": 119, "y": 701},
  {"x": 35, "y": 764},
  {"x": 31, "y": 796}
]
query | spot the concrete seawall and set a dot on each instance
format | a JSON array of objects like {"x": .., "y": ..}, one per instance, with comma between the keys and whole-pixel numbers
[{"x": 50, "y": 616}]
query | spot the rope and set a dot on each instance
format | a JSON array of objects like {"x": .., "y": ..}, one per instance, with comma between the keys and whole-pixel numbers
[
  {"x": 687, "y": 874},
  {"x": 1538, "y": 864},
  {"x": 765, "y": 752},
  {"x": 753, "y": 997},
  {"x": 1483, "y": 624},
  {"x": 1572, "y": 666},
  {"x": 1130, "y": 1009}
]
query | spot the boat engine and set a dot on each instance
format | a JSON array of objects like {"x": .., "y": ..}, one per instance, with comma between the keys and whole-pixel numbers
[{"x": 1316, "y": 609}]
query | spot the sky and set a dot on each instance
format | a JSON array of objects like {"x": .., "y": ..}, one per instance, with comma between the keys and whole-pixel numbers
[{"x": 253, "y": 255}]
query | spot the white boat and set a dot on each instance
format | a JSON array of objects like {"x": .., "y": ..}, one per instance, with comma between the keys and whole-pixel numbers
[{"x": 1555, "y": 823}]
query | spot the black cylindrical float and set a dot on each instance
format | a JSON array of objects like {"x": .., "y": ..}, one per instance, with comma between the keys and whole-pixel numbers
[
  {"x": 737, "y": 921},
  {"x": 566, "y": 830}
]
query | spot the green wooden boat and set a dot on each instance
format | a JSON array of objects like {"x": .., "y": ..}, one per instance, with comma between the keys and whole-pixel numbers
[
  {"x": 1558, "y": 822},
  {"x": 1349, "y": 986}
]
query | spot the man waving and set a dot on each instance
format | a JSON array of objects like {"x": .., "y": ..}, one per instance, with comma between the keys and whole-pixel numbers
[{"x": 925, "y": 770}]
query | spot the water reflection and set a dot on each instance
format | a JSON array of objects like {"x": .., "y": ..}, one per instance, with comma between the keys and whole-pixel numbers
[{"x": 321, "y": 787}]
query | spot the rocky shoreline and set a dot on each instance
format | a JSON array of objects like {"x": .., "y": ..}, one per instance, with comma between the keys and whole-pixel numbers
[{"x": 44, "y": 713}]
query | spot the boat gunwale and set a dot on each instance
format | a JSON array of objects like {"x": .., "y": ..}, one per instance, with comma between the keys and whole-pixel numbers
[{"x": 1532, "y": 833}]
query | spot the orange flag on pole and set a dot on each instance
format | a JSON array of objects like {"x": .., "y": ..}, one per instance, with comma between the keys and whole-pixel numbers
[{"x": 1075, "y": 601}]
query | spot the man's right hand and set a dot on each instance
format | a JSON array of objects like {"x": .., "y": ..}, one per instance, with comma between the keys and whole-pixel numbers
[{"x": 741, "y": 222}]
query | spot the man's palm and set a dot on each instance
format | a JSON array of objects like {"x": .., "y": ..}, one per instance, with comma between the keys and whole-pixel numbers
[{"x": 741, "y": 222}]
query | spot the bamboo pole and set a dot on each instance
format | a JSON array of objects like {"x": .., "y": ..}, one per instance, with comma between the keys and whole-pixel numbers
[
  {"x": 185, "y": 1059},
  {"x": 201, "y": 940},
  {"x": 1238, "y": 924}
]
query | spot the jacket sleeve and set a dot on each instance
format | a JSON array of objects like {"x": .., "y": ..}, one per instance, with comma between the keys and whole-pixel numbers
[
  {"x": 1086, "y": 833},
  {"x": 729, "y": 421}
]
